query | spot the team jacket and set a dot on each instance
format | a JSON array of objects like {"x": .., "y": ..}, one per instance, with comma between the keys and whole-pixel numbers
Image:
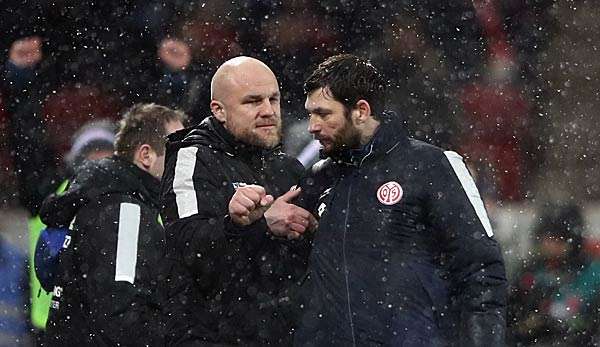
[
  {"x": 108, "y": 289},
  {"x": 404, "y": 254},
  {"x": 227, "y": 284}
]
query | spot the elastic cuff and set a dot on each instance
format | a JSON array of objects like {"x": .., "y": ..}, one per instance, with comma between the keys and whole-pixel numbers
[{"x": 259, "y": 227}]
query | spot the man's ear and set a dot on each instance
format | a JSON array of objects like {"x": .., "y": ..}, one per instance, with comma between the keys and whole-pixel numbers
[
  {"x": 362, "y": 111},
  {"x": 144, "y": 156},
  {"x": 218, "y": 110}
]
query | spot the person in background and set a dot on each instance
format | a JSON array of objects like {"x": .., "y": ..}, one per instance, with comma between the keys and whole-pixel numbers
[
  {"x": 554, "y": 297},
  {"x": 22, "y": 88},
  {"x": 94, "y": 141},
  {"x": 107, "y": 291}
]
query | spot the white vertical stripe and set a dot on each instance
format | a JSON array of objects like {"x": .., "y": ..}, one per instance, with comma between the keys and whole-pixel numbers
[
  {"x": 183, "y": 183},
  {"x": 309, "y": 153},
  {"x": 470, "y": 189},
  {"x": 127, "y": 242}
]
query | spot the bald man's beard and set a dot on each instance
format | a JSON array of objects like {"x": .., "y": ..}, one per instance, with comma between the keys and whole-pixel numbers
[{"x": 258, "y": 138}]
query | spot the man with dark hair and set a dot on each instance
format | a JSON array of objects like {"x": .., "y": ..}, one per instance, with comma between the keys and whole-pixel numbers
[
  {"x": 106, "y": 292},
  {"x": 226, "y": 193},
  {"x": 404, "y": 254}
]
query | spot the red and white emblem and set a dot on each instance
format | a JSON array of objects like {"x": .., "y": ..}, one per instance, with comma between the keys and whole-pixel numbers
[{"x": 389, "y": 193}]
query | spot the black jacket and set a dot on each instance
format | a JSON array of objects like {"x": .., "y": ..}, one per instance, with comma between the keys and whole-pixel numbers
[
  {"x": 227, "y": 284},
  {"x": 401, "y": 256},
  {"x": 108, "y": 288}
]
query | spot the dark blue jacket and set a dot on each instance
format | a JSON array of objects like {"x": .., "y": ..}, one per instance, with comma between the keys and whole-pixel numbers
[{"x": 404, "y": 254}]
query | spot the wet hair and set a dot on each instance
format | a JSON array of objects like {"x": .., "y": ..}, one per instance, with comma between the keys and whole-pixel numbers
[
  {"x": 144, "y": 124},
  {"x": 349, "y": 79}
]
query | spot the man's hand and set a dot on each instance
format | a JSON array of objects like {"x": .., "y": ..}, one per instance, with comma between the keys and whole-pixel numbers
[
  {"x": 248, "y": 204},
  {"x": 175, "y": 54},
  {"x": 288, "y": 220},
  {"x": 26, "y": 52}
]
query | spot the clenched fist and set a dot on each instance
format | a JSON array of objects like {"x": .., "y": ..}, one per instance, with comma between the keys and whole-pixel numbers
[{"x": 248, "y": 204}]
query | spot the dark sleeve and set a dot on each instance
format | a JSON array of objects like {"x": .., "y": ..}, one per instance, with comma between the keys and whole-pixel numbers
[
  {"x": 120, "y": 243},
  {"x": 172, "y": 88},
  {"x": 475, "y": 260},
  {"x": 194, "y": 208},
  {"x": 58, "y": 209},
  {"x": 313, "y": 183}
]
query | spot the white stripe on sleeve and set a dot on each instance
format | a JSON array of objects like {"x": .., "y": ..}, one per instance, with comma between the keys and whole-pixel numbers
[
  {"x": 309, "y": 153},
  {"x": 470, "y": 189},
  {"x": 127, "y": 242},
  {"x": 183, "y": 183}
]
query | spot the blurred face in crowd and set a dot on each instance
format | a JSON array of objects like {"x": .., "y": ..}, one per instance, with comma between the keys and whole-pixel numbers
[
  {"x": 155, "y": 161},
  {"x": 554, "y": 247},
  {"x": 246, "y": 100},
  {"x": 331, "y": 122}
]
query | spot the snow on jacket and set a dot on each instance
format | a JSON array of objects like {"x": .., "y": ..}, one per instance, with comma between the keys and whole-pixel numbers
[
  {"x": 404, "y": 254},
  {"x": 227, "y": 284},
  {"x": 108, "y": 290}
]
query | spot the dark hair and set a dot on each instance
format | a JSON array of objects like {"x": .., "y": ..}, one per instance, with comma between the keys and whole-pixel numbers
[
  {"x": 144, "y": 124},
  {"x": 349, "y": 78}
]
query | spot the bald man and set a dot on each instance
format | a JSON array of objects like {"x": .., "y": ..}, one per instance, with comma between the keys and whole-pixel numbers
[{"x": 225, "y": 195}]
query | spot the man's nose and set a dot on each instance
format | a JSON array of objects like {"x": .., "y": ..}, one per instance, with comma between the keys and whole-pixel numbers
[
  {"x": 314, "y": 126},
  {"x": 266, "y": 109}
]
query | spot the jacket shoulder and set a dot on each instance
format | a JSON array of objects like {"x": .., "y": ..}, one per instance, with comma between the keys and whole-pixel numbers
[
  {"x": 423, "y": 148},
  {"x": 430, "y": 154}
]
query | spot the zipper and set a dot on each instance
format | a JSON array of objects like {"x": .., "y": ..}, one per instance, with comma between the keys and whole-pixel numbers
[
  {"x": 346, "y": 277},
  {"x": 346, "y": 264}
]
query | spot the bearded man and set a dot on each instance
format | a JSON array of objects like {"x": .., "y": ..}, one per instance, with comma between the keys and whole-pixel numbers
[{"x": 226, "y": 193}]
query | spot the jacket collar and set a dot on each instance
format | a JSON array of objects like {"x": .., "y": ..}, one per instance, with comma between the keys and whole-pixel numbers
[
  {"x": 211, "y": 133},
  {"x": 233, "y": 145},
  {"x": 390, "y": 134},
  {"x": 139, "y": 180}
]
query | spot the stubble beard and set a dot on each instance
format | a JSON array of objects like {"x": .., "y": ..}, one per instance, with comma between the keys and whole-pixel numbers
[
  {"x": 348, "y": 137},
  {"x": 268, "y": 141}
]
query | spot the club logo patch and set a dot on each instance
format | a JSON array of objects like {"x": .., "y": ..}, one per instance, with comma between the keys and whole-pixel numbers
[{"x": 389, "y": 193}]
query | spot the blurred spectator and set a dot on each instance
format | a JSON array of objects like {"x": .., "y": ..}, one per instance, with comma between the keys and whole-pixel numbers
[
  {"x": 553, "y": 298},
  {"x": 93, "y": 141},
  {"x": 496, "y": 113},
  {"x": 86, "y": 62},
  {"x": 569, "y": 69},
  {"x": 296, "y": 35},
  {"x": 495, "y": 128},
  {"x": 209, "y": 30},
  {"x": 22, "y": 94},
  {"x": 183, "y": 82},
  {"x": 14, "y": 330},
  {"x": 420, "y": 91}
]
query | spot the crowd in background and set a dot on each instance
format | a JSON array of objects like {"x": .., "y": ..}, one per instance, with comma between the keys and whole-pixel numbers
[{"x": 511, "y": 85}]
